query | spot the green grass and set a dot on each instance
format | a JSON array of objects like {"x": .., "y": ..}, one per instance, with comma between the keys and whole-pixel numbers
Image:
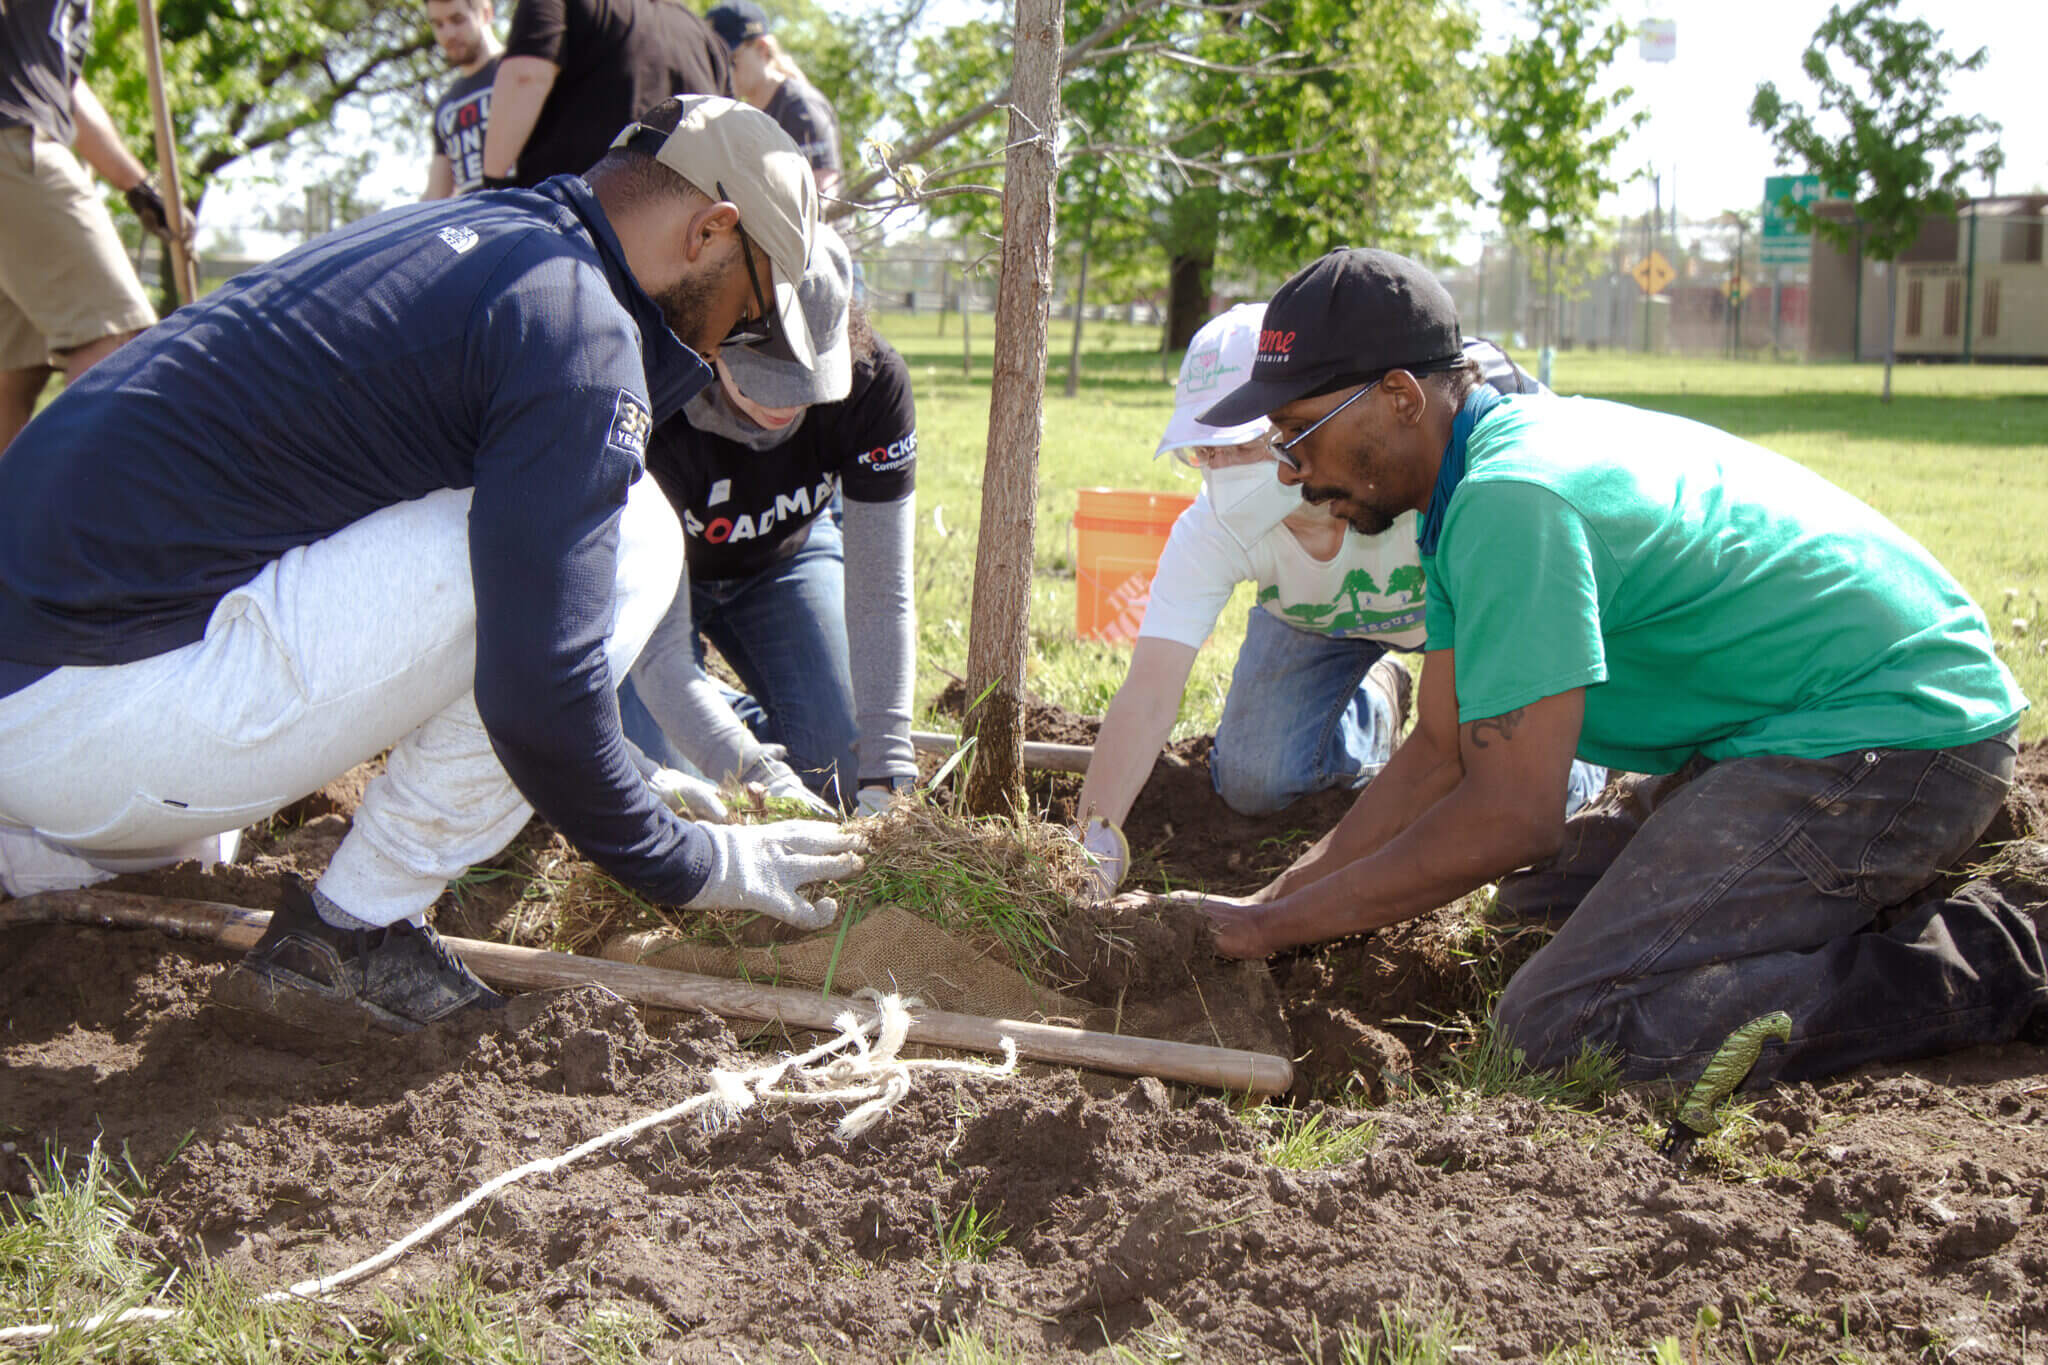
[
  {"x": 970, "y": 1235},
  {"x": 69, "y": 1253},
  {"x": 1294, "y": 1141},
  {"x": 1959, "y": 459}
]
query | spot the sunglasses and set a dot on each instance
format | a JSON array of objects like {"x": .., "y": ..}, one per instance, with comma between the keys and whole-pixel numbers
[
  {"x": 1283, "y": 450},
  {"x": 765, "y": 325}
]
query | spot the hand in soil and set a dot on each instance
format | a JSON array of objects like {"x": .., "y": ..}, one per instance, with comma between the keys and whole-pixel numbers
[{"x": 1241, "y": 930}]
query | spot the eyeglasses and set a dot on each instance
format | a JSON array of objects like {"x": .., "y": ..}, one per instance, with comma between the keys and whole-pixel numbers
[
  {"x": 750, "y": 331},
  {"x": 1283, "y": 450}
]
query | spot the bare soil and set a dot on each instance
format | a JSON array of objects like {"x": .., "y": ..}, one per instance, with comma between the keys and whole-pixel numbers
[{"x": 1900, "y": 1213}]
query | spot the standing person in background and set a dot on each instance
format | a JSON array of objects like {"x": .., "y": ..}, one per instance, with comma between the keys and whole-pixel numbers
[
  {"x": 817, "y": 617},
  {"x": 574, "y": 72},
  {"x": 768, "y": 78},
  {"x": 68, "y": 296},
  {"x": 1317, "y": 698},
  {"x": 464, "y": 29}
]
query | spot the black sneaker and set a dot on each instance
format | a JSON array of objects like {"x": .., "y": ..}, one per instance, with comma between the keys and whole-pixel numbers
[{"x": 307, "y": 971}]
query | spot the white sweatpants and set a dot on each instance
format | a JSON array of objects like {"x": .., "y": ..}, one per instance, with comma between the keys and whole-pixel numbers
[{"x": 335, "y": 652}]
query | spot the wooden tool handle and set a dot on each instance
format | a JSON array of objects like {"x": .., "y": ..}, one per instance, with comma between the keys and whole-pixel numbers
[{"x": 503, "y": 964}]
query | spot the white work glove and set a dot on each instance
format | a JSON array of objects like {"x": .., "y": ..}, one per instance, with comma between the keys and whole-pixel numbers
[
  {"x": 690, "y": 797},
  {"x": 778, "y": 781},
  {"x": 1109, "y": 857},
  {"x": 874, "y": 800},
  {"x": 760, "y": 867}
]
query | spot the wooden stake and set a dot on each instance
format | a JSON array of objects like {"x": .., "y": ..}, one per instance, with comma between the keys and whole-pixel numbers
[
  {"x": 502, "y": 964},
  {"x": 184, "y": 272}
]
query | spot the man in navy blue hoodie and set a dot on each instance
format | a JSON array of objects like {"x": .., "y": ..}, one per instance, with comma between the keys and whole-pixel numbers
[{"x": 387, "y": 492}]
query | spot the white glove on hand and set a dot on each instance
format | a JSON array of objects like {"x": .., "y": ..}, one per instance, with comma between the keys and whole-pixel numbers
[
  {"x": 1110, "y": 854},
  {"x": 874, "y": 800},
  {"x": 760, "y": 867},
  {"x": 779, "y": 782},
  {"x": 690, "y": 797}
]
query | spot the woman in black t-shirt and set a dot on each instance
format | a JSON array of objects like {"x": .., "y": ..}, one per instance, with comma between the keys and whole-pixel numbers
[{"x": 795, "y": 488}]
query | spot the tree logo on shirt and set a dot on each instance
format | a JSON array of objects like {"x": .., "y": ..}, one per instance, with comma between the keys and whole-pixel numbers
[{"x": 630, "y": 424}]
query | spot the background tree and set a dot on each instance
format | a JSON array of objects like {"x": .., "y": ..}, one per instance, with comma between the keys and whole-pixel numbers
[
  {"x": 1556, "y": 133},
  {"x": 1882, "y": 83},
  {"x": 1265, "y": 130},
  {"x": 251, "y": 75}
]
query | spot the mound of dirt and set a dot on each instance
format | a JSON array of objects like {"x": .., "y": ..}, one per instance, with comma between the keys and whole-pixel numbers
[{"x": 1898, "y": 1212}]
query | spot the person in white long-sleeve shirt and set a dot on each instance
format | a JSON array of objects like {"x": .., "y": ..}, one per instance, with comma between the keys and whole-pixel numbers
[{"x": 1318, "y": 697}]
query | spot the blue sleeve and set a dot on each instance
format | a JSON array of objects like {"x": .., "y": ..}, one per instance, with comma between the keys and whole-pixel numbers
[{"x": 563, "y": 419}]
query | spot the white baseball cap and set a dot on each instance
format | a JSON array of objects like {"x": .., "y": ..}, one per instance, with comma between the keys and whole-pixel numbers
[
  {"x": 733, "y": 151},
  {"x": 1218, "y": 360}
]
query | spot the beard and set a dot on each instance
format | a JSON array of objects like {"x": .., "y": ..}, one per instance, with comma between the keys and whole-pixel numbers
[
  {"x": 1363, "y": 518},
  {"x": 686, "y": 306},
  {"x": 461, "y": 57}
]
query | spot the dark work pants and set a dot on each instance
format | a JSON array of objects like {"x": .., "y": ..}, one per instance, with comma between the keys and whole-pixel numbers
[{"x": 1694, "y": 901}]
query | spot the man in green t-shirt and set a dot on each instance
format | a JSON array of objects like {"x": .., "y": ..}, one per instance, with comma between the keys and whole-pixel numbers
[{"x": 1809, "y": 704}]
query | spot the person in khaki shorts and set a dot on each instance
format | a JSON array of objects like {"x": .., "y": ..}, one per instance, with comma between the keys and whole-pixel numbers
[{"x": 68, "y": 296}]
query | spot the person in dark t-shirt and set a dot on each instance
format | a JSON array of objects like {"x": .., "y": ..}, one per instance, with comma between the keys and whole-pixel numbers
[
  {"x": 767, "y": 77},
  {"x": 576, "y": 71},
  {"x": 810, "y": 604},
  {"x": 463, "y": 29},
  {"x": 68, "y": 296}
]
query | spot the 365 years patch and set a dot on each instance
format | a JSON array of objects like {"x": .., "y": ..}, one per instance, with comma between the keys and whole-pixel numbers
[{"x": 631, "y": 422}]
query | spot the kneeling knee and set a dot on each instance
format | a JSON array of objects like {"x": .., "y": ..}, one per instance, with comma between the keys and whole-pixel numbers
[
  {"x": 1537, "y": 1025},
  {"x": 1248, "y": 791}
]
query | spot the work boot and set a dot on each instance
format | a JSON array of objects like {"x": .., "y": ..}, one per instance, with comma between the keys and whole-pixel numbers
[
  {"x": 307, "y": 971},
  {"x": 1390, "y": 678}
]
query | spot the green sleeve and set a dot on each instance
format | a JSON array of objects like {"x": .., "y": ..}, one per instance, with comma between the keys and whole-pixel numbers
[{"x": 1515, "y": 589}]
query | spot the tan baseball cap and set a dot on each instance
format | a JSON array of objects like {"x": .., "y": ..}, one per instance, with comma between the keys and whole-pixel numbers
[{"x": 734, "y": 152}]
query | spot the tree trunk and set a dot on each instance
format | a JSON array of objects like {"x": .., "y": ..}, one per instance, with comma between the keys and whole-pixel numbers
[
  {"x": 1891, "y": 324},
  {"x": 1187, "y": 297},
  {"x": 998, "y": 633},
  {"x": 1080, "y": 305}
]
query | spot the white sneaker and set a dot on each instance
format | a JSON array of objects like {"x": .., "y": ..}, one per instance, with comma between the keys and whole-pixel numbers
[{"x": 29, "y": 863}]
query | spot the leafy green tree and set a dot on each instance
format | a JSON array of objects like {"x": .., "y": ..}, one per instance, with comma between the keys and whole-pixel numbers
[
  {"x": 1555, "y": 132},
  {"x": 1884, "y": 80},
  {"x": 1258, "y": 132},
  {"x": 251, "y": 75}
]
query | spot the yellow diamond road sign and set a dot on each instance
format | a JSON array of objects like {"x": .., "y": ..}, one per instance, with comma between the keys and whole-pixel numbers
[{"x": 1653, "y": 272}]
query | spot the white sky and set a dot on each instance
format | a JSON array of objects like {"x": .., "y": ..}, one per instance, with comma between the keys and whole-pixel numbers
[
  {"x": 1699, "y": 132},
  {"x": 1698, "y": 135}
]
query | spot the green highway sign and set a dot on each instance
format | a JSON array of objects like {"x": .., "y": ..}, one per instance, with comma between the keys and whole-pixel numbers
[{"x": 1782, "y": 242}]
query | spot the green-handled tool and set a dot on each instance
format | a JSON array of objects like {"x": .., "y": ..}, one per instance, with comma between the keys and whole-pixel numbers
[{"x": 1737, "y": 1055}]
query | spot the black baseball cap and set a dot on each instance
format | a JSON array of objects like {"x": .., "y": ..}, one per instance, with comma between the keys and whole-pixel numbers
[
  {"x": 1356, "y": 313},
  {"x": 738, "y": 21}
]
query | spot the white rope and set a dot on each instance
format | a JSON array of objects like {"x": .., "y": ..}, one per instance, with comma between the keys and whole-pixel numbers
[{"x": 844, "y": 1070}]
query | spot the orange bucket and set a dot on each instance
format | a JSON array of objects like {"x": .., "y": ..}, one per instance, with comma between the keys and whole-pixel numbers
[{"x": 1119, "y": 534}]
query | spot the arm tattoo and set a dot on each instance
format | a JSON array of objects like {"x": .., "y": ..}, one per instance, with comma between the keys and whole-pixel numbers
[{"x": 1502, "y": 725}]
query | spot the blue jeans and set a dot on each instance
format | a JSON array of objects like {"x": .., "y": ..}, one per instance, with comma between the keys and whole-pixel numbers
[
  {"x": 1692, "y": 902},
  {"x": 783, "y": 631},
  {"x": 1299, "y": 719}
]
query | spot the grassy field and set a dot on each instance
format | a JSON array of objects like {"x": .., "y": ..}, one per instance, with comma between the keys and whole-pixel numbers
[{"x": 1959, "y": 459}]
